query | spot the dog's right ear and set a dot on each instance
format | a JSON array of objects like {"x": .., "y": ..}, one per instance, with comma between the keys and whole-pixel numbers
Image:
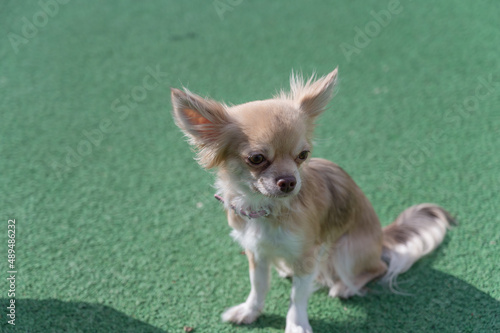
[
  {"x": 205, "y": 122},
  {"x": 199, "y": 118}
]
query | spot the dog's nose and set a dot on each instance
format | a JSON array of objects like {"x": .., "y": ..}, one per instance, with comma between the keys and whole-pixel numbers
[{"x": 286, "y": 183}]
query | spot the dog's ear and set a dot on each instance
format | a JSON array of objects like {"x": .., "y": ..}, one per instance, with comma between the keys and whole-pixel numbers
[
  {"x": 205, "y": 122},
  {"x": 199, "y": 118},
  {"x": 313, "y": 96}
]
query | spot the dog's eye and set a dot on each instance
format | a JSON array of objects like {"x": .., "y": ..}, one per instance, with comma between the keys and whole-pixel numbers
[
  {"x": 303, "y": 155},
  {"x": 256, "y": 159}
]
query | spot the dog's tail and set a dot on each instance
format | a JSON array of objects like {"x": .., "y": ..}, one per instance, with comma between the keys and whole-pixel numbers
[{"x": 416, "y": 232}]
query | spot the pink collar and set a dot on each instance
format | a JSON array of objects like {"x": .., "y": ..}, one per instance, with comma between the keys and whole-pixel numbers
[{"x": 250, "y": 214}]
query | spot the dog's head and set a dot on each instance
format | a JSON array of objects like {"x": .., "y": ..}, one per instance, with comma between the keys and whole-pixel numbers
[{"x": 261, "y": 145}]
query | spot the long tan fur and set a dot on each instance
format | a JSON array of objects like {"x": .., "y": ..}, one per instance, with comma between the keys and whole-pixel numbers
[{"x": 318, "y": 225}]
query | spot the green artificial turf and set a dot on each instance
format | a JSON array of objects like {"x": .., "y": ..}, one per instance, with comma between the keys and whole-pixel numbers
[{"x": 116, "y": 226}]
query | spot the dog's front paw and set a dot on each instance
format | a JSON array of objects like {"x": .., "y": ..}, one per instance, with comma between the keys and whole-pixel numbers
[
  {"x": 298, "y": 328},
  {"x": 241, "y": 314}
]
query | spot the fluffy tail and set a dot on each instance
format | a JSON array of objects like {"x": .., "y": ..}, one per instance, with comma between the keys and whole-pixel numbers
[{"x": 416, "y": 232}]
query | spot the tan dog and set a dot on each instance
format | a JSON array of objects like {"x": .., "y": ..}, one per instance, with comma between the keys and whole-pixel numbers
[{"x": 303, "y": 215}]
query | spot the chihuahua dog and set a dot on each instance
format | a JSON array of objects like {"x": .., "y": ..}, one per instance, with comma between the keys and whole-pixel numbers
[{"x": 304, "y": 216}]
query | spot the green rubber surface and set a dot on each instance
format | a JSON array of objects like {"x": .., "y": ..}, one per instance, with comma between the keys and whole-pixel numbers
[{"x": 117, "y": 229}]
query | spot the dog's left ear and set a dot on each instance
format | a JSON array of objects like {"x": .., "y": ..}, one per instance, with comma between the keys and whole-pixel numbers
[{"x": 314, "y": 95}]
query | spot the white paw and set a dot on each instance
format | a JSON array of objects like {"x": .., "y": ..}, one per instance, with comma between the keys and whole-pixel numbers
[
  {"x": 284, "y": 274},
  {"x": 339, "y": 290},
  {"x": 284, "y": 271},
  {"x": 298, "y": 328},
  {"x": 241, "y": 314},
  {"x": 342, "y": 291}
]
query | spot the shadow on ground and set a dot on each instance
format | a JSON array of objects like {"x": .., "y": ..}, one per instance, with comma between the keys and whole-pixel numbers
[
  {"x": 448, "y": 305},
  {"x": 438, "y": 302},
  {"x": 52, "y": 315}
]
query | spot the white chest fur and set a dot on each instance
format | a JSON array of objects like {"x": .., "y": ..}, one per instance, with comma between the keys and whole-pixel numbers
[{"x": 263, "y": 239}]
